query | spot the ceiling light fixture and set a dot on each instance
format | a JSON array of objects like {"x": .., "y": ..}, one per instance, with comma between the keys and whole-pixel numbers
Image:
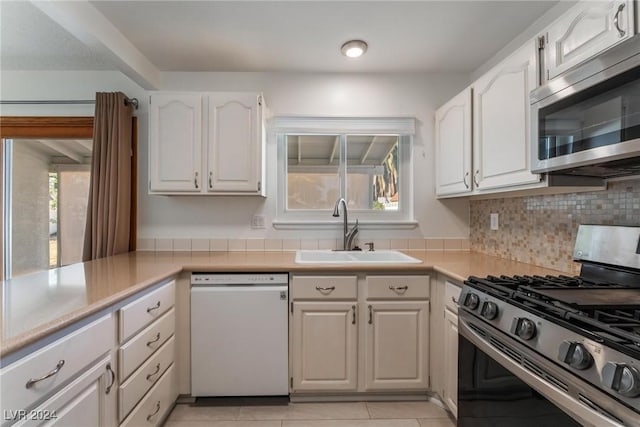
[{"x": 354, "y": 48}]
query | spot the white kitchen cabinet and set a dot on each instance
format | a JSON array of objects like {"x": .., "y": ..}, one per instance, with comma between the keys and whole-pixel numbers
[
  {"x": 585, "y": 30},
  {"x": 235, "y": 143},
  {"x": 89, "y": 400},
  {"x": 175, "y": 143},
  {"x": 207, "y": 143},
  {"x": 501, "y": 129},
  {"x": 359, "y": 333},
  {"x": 324, "y": 346},
  {"x": 453, "y": 145},
  {"x": 396, "y": 349},
  {"x": 451, "y": 361},
  {"x": 450, "y": 383},
  {"x": 39, "y": 376},
  {"x": 146, "y": 355}
]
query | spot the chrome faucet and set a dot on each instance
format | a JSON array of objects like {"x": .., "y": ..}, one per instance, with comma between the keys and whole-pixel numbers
[{"x": 347, "y": 236}]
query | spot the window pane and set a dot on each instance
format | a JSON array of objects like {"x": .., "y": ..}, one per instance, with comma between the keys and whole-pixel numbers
[
  {"x": 49, "y": 184},
  {"x": 312, "y": 171},
  {"x": 372, "y": 172}
]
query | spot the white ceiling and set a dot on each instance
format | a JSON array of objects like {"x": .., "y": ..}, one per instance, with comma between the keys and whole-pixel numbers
[
  {"x": 30, "y": 40},
  {"x": 412, "y": 36}
]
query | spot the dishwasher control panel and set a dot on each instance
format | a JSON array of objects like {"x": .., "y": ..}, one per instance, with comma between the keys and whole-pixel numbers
[{"x": 239, "y": 279}]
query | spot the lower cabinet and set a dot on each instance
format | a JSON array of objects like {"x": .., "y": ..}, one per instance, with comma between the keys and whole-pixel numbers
[
  {"x": 359, "y": 333},
  {"x": 89, "y": 400},
  {"x": 396, "y": 345},
  {"x": 451, "y": 361},
  {"x": 324, "y": 351}
]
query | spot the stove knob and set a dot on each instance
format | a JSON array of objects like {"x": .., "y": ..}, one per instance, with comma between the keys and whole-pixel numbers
[
  {"x": 489, "y": 310},
  {"x": 472, "y": 301},
  {"x": 524, "y": 328},
  {"x": 575, "y": 355},
  {"x": 623, "y": 378}
]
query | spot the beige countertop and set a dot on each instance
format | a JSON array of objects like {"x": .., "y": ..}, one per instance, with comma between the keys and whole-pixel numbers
[{"x": 39, "y": 304}]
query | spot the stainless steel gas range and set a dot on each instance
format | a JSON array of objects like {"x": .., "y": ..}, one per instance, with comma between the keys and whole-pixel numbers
[{"x": 555, "y": 350}]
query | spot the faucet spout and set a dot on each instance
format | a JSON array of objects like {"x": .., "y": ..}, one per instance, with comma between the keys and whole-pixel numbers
[{"x": 347, "y": 236}]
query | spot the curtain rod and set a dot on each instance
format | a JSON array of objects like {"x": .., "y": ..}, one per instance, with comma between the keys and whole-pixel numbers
[{"x": 132, "y": 101}]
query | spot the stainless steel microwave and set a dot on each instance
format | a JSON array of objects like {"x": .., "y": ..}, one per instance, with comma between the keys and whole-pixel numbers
[{"x": 587, "y": 121}]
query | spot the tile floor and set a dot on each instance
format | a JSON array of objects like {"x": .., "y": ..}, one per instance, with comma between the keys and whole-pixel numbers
[{"x": 348, "y": 414}]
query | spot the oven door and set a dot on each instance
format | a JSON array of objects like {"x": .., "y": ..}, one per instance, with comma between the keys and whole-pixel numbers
[{"x": 501, "y": 383}]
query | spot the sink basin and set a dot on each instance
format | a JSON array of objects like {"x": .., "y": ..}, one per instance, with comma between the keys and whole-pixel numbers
[{"x": 353, "y": 257}]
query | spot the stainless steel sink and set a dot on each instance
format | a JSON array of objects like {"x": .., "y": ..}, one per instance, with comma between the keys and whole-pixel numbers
[{"x": 353, "y": 257}]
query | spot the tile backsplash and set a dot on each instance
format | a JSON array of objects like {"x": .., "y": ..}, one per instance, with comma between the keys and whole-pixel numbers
[
  {"x": 541, "y": 230},
  {"x": 253, "y": 245}
]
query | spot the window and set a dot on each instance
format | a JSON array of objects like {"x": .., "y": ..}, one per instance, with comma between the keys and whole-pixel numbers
[
  {"x": 365, "y": 161},
  {"x": 46, "y": 188}
]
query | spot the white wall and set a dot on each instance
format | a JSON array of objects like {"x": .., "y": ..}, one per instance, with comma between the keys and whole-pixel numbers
[{"x": 416, "y": 95}]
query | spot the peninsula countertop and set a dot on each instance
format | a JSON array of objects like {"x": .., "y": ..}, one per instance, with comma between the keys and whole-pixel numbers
[{"x": 39, "y": 304}]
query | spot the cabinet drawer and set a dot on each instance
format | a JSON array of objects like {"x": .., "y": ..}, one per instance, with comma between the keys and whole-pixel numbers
[
  {"x": 140, "y": 313},
  {"x": 132, "y": 390},
  {"x": 325, "y": 287},
  {"x": 69, "y": 354},
  {"x": 156, "y": 403},
  {"x": 397, "y": 287},
  {"x": 139, "y": 348},
  {"x": 451, "y": 296}
]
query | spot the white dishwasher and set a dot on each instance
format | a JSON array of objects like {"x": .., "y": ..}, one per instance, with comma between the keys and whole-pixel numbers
[{"x": 239, "y": 334}]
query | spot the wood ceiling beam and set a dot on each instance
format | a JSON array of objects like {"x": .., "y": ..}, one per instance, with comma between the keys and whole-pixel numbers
[
  {"x": 84, "y": 143},
  {"x": 82, "y": 20},
  {"x": 52, "y": 144},
  {"x": 336, "y": 142},
  {"x": 368, "y": 150}
]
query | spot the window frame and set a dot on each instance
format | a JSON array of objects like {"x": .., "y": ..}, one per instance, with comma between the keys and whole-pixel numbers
[{"x": 403, "y": 127}]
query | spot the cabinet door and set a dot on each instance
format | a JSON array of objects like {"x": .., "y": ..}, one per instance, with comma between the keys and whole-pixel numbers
[
  {"x": 587, "y": 29},
  {"x": 324, "y": 346},
  {"x": 451, "y": 361},
  {"x": 175, "y": 143},
  {"x": 396, "y": 349},
  {"x": 453, "y": 145},
  {"x": 501, "y": 154},
  {"x": 87, "y": 401},
  {"x": 234, "y": 142}
]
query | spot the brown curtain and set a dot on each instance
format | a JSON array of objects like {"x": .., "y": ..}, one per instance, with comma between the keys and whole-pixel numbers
[{"x": 108, "y": 213}]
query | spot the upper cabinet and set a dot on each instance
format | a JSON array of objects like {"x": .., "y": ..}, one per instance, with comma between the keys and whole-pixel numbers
[
  {"x": 207, "y": 143},
  {"x": 585, "y": 30},
  {"x": 501, "y": 136},
  {"x": 175, "y": 143},
  {"x": 234, "y": 142},
  {"x": 453, "y": 147},
  {"x": 490, "y": 119}
]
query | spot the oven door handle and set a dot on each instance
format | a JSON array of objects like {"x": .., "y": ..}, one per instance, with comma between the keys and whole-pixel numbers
[{"x": 578, "y": 410}]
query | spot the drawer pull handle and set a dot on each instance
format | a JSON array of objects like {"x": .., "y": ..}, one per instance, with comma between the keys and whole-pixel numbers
[
  {"x": 399, "y": 288},
  {"x": 155, "y": 411},
  {"x": 156, "y": 339},
  {"x": 455, "y": 301},
  {"x": 55, "y": 370},
  {"x": 155, "y": 307},
  {"x": 616, "y": 21},
  {"x": 353, "y": 319},
  {"x": 370, "y": 315},
  {"x": 153, "y": 373},
  {"x": 113, "y": 378},
  {"x": 329, "y": 289}
]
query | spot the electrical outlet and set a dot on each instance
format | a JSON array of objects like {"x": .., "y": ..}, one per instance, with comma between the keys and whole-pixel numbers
[
  {"x": 494, "y": 221},
  {"x": 257, "y": 221}
]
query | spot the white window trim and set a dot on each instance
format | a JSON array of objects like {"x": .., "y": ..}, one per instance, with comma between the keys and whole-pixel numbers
[{"x": 301, "y": 219}]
